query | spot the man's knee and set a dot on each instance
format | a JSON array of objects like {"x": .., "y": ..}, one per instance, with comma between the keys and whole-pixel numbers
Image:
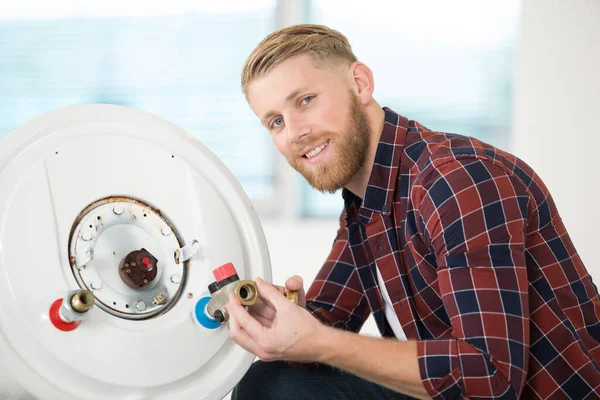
[{"x": 264, "y": 380}]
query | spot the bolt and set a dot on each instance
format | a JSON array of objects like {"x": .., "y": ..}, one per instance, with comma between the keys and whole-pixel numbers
[
  {"x": 86, "y": 236},
  {"x": 166, "y": 231},
  {"x": 140, "y": 305},
  {"x": 190, "y": 295},
  {"x": 118, "y": 210},
  {"x": 176, "y": 278},
  {"x": 96, "y": 285}
]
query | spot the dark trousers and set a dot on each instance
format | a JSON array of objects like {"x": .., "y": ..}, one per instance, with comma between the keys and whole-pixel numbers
[{"x": 281, "y": 381}]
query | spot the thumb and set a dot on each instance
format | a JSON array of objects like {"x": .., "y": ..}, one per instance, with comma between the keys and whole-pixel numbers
[
  {"x": 294, "y": 283},
  {"x": 271, "y": 294}
]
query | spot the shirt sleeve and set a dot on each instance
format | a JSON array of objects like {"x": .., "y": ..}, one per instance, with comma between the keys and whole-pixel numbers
[
  {"x": 336, "y": 296},
  {"x": 473, "y": 214}
]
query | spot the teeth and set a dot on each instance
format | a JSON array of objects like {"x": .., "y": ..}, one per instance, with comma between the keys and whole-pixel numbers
[{"x": 315, "y": 151}]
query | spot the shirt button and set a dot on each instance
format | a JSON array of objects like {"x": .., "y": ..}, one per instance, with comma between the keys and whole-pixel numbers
[
  {"x": 385, "y": 209},
  {"x": 380, "y": 247}
]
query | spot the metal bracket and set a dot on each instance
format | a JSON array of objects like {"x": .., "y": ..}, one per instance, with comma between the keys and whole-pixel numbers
[
  {"x": 187, "y": 251},
  {"x": 89, "y": 256}
]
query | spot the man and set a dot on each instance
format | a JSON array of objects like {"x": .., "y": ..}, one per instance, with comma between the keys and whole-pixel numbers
[{"x": 454, "y": 246}]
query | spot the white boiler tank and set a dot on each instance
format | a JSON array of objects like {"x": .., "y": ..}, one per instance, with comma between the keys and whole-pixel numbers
[{"x": 111, "y": 223}]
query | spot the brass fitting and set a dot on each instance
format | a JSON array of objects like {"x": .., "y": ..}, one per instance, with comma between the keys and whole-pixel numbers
[
  {"x": 292, "y": 295},
  {"x": 82, "y": 301},
  {"x": 247, "y": 292},
  {"x": 227, "y": 282},
  {"x": 76, "y": 305}
]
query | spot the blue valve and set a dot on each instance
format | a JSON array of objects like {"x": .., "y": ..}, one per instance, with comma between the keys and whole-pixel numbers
[{"x": 202, "y": 316}]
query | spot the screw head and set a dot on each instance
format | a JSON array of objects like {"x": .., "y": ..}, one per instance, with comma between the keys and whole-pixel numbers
[{"x": 140, "y": 305}]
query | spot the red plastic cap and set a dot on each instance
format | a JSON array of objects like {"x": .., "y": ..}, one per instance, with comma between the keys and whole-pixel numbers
[
  {"x": 57, "y": 321},
  {"x": 224, "y": 271}
]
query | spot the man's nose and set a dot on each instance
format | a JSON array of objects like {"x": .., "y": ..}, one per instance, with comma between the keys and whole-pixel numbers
[{"x": 297, "y": 129}]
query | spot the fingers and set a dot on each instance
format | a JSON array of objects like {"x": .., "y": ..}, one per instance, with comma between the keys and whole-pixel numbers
[
  {"x": 239, "y": 336},
  {"x": 243, "y": 318},
  {"x": 294, "y": 283},
  {"x": 272, "y": 295},
  {"x": 263, "y": 309},
  {"x": 280, "y": 288},
  {"x": 266, "y": 322},
  {"x": 266, "y": 302}
]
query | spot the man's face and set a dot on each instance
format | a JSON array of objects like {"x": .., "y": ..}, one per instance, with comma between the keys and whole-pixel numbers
[{"x": 315, "y": 120}]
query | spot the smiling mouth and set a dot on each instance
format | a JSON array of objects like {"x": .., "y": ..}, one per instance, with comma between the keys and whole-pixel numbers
[{"x": 313, "y": 153}]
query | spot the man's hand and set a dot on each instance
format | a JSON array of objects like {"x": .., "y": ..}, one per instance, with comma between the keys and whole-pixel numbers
[
  {"x": 282, "y": 331},
  {"x": 265, "y": 313},
  {"x": 293, "y": 334}
]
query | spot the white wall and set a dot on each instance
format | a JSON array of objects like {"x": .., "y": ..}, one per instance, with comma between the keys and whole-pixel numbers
[
  {"x": 300, "y": 248},
  {"x": 557, "y": 111}
]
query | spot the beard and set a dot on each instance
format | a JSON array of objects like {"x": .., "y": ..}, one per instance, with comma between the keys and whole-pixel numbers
[{"x": 349, "y": 152}]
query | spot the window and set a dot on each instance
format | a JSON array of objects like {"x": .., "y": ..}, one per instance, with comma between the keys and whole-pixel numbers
[
  {"x": 180, "y": 60},
  {"x": 445, "y": 64}
]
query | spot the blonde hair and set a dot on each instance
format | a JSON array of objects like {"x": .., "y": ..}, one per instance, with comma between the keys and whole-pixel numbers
[{"x": 324, "y": 45}]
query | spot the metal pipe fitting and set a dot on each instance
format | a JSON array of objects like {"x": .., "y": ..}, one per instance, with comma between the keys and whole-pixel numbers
[
  {"x": 82, "y": 301},
  {"x": 227, "y": 281},
  {"x": 76, "y": 306},
  {"x": 246, "y": 291},
  {"x": 292, "y": 295}
]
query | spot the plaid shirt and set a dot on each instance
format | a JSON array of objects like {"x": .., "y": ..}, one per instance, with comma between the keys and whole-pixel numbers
[{"x": 478, "y": 265}]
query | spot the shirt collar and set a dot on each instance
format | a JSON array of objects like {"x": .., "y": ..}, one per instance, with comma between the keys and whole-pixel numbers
[{"x": 382, "y": 182}]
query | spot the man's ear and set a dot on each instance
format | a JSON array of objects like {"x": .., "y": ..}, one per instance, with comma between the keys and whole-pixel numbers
[{"x": 362, "y": 80}]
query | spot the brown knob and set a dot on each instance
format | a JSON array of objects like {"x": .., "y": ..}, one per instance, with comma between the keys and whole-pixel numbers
[{"x": 138, "y": 268}]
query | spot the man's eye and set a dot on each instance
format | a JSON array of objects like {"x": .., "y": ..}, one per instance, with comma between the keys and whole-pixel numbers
[
  {"x": 277, "y": 122},
  {"x": 306, "y": 100}
]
